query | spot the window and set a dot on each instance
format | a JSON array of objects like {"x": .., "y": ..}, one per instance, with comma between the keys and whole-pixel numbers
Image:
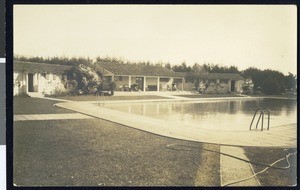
[{"x": 54, "y": 77}]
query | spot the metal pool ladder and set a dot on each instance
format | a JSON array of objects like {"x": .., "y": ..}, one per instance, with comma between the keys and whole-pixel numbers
[
  {"x": 100, "y": 98},
  {"x": 261, "y": 116}
]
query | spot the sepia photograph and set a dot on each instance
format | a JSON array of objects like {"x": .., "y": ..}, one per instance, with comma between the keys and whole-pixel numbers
[{"x": 154, "y": 95}]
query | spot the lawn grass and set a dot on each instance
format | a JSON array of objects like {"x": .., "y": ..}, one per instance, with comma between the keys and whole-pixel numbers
[
  {"x": 293, "y": 97},
  {"x": 28, "y": 105},
  {"x": 96, "y": 152},
  {"x": 92, "y": 152},
  {"x": 108, "y": 98},
  {"x": 208, "y": 95},
  {"x": 273, "y": 177},
  {"x": 234, "y": 95}
]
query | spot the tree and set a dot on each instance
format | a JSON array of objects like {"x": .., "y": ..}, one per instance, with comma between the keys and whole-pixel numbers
[
  {"x": 84, "y": 80},
  {"x": 198, "y": 68},
  {"x": 233, "y": 69},
  {"x": 207, "y": 67},
  {"x": 256, "y": 75},
  {"x": 291, "y": 81},
  {"x": 74, "y": 61},
  {"x": 168, "y": 66},
  {"x": 182, "y": 68},
  {"x": 268, "y": 81},
  {"x": 271, "y": 86},
  {"x": 158, "y": 64}
]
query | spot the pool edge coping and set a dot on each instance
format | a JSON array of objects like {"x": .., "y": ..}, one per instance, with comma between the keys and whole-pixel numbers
[{"x": 107, "y": 118}]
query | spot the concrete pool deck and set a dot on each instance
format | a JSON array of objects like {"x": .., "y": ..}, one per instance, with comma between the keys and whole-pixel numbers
[{"x": 280, "y": 136}]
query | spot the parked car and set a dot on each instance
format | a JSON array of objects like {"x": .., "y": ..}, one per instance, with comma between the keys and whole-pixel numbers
[{"x": 107, "y": 88}]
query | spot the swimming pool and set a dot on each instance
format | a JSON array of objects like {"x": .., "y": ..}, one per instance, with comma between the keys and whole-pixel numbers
[{"x": 224, "y": 115}]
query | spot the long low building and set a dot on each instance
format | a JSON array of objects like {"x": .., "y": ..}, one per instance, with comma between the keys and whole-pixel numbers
[
  {"x": 215, "y": 82},
  {"x": 42, "y": 78},
  {"x": 144, "y": 77},
  {"x": 38, "y": 78}
]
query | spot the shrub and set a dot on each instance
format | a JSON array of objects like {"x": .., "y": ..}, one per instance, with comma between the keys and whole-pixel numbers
[
  {"x": 112, "y": 85},
  {"x": 59, "y": 92},
  {"x": 84, "y": 80},
  {"x": 272, "y": 85}
]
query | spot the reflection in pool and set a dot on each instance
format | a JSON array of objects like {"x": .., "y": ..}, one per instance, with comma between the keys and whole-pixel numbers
[{"x": 220, "y": 115}]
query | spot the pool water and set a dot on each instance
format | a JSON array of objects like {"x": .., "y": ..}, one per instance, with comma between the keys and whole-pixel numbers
[{"x": 215, "y": 114}]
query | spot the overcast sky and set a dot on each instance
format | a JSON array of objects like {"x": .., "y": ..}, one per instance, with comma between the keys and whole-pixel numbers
[{"x": 260, "y": 36}]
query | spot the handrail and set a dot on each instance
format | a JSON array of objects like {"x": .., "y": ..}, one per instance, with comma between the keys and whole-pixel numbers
[
  {"x": 261, "y": 116},
  {"x": 269, "y": 112},
  {"x": 254, "y": 118},
  {"x": 100, "y": 98}
]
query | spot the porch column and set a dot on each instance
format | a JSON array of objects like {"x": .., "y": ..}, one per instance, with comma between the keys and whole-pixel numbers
[
  {"x": 38, "y": 82},
  {"x": 172, "y": 84},
  {"x": 129, "y": 81},
  {"x": 157, "y": 84},
  {"x": 182, "y": 82},
  {"x": 22, "y": 83},
  {"x": 229, "y": 85},
  {"x": 144, "y": 86},
  {"x": 26, "y": 82}
]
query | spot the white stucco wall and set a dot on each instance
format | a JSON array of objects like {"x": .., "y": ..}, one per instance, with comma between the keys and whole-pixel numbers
[
  {"x": 239, "y": 85},
  {"x": 20, "y": 84},
  {"x": 217, "y": 89},
  {"x": 151, "y": 81},
  {"x": 41, "y": 84},
  {"x": 223, "y": 88},
  {"x": 50, "y": 83}
]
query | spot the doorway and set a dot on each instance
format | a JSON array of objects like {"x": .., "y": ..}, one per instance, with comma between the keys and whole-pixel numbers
[
  {"x": 140, "y": 83},
  {"x": 30, "y": 82},
  {"x": 232, "y": 89}
]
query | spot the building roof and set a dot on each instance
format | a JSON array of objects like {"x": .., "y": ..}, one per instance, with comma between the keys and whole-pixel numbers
[
  {"x": 135, "y": 70},
  {"x": 40, "y": 67},
  {"x": 227, "y": 76},
  {"x": 102, "y": 70},
  {"x": 109, "y": 69}
]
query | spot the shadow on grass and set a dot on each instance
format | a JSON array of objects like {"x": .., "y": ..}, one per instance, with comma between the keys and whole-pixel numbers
[
  {"x": 273, "y": 177},
  {"x": 28, "y": 105}
]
